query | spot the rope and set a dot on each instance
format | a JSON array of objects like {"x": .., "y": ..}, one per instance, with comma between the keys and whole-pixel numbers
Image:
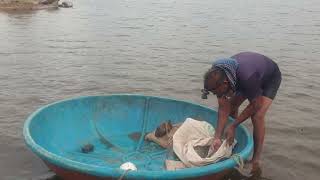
[
  {"x": 124, "y": 174},
  {"x": 238, "y": 159}
]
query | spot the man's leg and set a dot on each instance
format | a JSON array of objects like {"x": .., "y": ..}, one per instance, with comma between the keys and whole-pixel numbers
[{"x": 262, "y": 105}]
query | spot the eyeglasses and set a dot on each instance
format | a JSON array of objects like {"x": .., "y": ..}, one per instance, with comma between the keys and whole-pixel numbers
[{"x": 206, "y": 92}]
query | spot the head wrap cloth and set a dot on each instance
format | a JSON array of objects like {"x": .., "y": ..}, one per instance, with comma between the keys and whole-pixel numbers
[{"x": 229, "y": 66}]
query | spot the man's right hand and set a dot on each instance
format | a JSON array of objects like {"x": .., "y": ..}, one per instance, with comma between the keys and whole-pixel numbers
[{"x": 216, "y": 144}]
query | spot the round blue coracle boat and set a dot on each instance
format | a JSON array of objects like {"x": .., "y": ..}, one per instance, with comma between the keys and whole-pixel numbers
[{"x": 90, "y": 137}]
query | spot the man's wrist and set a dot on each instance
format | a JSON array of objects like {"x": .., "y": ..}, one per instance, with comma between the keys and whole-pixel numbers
[
  {"x": 217, "y": 136},
  {"x": 234, "y": 125}
]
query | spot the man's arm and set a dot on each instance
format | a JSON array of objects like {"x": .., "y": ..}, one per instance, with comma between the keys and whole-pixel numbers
[
  {"x": 223, "y": 114},
  {"x": 245, "y": 114},
  {"x": 252, "y": 91},
  {"x": 249, "y": 111}
]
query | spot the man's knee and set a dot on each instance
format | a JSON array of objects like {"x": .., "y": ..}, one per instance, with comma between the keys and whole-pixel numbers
[{"x": 258, "y": 116}]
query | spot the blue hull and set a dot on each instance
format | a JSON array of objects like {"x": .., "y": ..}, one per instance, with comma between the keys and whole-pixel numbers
[{"x": 115, "y": 125}]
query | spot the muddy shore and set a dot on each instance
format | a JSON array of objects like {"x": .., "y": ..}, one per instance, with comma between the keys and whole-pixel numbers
[{"x": 27, "y": 4}]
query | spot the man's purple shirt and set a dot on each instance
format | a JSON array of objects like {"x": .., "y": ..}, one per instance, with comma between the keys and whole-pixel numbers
[{"x": 253, "y": 71}]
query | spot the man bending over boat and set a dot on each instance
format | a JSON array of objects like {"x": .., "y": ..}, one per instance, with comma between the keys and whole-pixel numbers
[{"x": 246, "y": 75}]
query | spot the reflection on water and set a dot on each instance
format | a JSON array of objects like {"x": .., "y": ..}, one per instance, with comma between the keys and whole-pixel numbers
[
  {"x": 54, "y": 177},
  {"x": 161, "y": 48},
  {"x": 47, "y": 176},
  {"x": 233, "y": 175}
]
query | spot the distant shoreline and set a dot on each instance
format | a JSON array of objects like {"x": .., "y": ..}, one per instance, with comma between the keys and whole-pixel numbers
[{"x": 26, "y": 5}]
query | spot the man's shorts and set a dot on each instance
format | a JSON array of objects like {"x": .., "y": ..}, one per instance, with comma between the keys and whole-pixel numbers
[{"x": 271, "y": 86}]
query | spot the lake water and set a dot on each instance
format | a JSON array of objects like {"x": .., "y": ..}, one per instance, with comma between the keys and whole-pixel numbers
[{"x": 161, "y": 48}]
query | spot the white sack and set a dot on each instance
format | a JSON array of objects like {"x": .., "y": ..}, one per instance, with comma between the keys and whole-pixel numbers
[{"x": 193, "y": 133}]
